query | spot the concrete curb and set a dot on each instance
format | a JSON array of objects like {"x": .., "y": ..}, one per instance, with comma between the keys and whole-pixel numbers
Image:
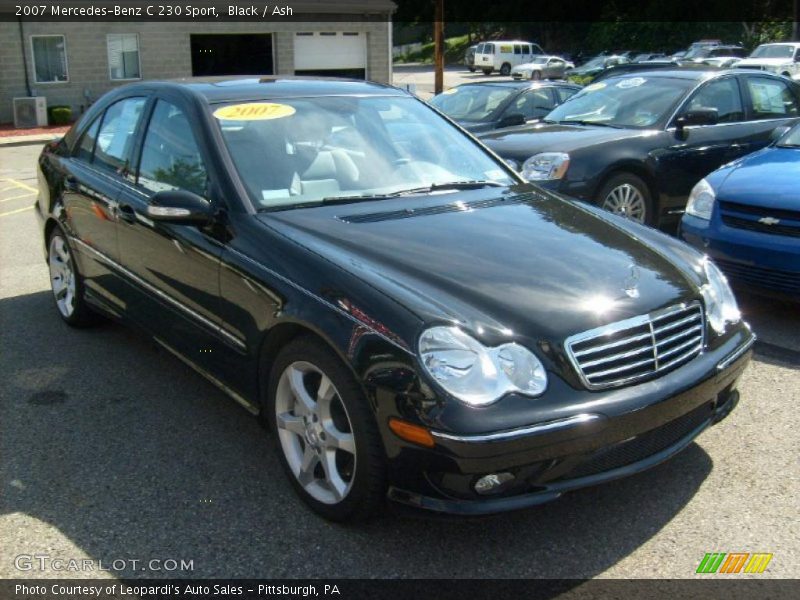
[{"x": 28, "y": 140}]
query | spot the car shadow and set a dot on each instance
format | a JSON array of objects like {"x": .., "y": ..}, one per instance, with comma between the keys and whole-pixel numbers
[{"x": 129, "y": 454}]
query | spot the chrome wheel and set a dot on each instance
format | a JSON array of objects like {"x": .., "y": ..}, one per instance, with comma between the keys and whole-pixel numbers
[
  {"x": 627, "y": 201},
  {"x": 62, "y": 276},
  {"x": 315, "y": 432}
]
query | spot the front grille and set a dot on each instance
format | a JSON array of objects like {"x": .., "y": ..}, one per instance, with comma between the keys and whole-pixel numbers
[
  {"x": 645, "y": 445},
  {"x": 757, "y": 276},
  {"x": 638, "y": 348},
  {"x": 746, "y": 216}
]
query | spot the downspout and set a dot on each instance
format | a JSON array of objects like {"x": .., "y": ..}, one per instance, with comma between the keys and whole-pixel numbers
[{"x": 24, "y": 58}]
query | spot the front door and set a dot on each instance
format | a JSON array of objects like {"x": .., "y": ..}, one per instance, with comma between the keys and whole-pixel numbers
[{"x": 174, "y": 268}]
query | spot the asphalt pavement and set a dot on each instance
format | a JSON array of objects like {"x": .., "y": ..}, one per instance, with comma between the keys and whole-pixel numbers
[{"x": 113, "y": 450}]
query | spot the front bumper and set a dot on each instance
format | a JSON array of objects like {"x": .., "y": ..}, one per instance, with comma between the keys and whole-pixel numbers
[
  {"x": 758, "y": 261},
  {"x": 597, "y": 443}
]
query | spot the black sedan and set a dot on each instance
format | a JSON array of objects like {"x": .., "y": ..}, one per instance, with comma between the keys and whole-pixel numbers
[
  {"x": 636, "y": 144},
  {"x": 480, "y": 107},
  {"x": 407, "y": 316}
]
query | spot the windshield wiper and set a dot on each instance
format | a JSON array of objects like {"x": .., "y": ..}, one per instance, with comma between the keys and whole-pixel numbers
[
  {"x": 451, "y": 185},
  {"x": 585, "y": 122}
]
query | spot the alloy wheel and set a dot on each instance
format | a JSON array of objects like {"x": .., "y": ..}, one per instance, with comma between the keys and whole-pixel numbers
[
  {"x": 315, "y": 432},
  {"x": 62, "y": 276},
  {"x": 627, "y": 201}
]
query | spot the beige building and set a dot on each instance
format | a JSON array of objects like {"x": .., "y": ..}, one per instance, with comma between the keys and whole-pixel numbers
[{"x": 74, "y": 63}]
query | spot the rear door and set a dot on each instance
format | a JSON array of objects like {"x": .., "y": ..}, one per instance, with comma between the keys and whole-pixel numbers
[
  {"x": 771, "y": 102},
  {"x": 93, "y": 177}
]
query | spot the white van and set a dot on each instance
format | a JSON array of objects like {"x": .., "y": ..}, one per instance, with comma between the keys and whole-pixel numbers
[{"x": 502, "y": 56}]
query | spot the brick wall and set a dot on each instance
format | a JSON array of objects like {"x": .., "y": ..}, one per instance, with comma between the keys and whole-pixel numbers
[{"x": 164, "y": 50}]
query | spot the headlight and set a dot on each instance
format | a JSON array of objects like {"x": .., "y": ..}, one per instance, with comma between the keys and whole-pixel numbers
[
  {"x": 701, "y": 200},
  {"x": 546, "y": 166},
  {"x": 721, "y": 307},
  {"x": 475, "y": 374}
]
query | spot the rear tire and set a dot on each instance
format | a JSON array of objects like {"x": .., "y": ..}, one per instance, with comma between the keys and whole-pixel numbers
[
  {"x": 487, "y": 71},
  {"x": 66, "y": 282},
  {"x": 325, "y": 432},
  {"x": 626, "y": 195},
  {"x": 471, "y": 69},
  {"x": 505, "y": 70}
]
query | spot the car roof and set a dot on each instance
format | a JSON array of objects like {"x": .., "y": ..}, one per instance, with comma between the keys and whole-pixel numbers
[
  {"x": 227, "y": 89},
  {"x": 519, "y": 83},
  {"x": 676, "y": 73}
]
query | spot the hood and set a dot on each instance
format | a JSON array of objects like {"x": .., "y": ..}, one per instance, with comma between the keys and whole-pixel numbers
[
  {"x": 769, "y": 62},
  {"x": 519, "y": 262},
  {"x": 779, "y": 166},
  {"x": 519, "y": 144}
]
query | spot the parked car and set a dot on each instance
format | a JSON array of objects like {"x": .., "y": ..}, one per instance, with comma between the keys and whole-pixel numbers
[
  {"x": 485, "y": 106},
  {"x": 636, "y": 144},
  {"x": 746, "y": 215},
  {"x": 503, "y": 56},
  {"x": 469, "y": 58},
  {"x": 407, "y": 315},
  {"x": 588, "y": 71},
  {"x": 722, "y": 62},
  {"x": 650, "y": 65},
  {"x": 649, "y": 56},
  {"x": 542, "y": 67},
  {"x": 703, "y": 53},
  {"x": 783, "y": 59}
]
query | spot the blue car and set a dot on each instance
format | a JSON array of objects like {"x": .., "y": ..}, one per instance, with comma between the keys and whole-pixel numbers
[{"x": 746, "y": 216}]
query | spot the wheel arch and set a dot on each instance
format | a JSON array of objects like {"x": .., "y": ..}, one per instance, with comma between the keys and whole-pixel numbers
[{"x": 633, "y": 168}]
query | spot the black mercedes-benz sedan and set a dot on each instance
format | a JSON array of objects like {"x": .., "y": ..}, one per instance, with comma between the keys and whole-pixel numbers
[
  {"x": 636, "y": 144},
  {"x": 490, "y": 105},
  {"x": 408, "y": 316}
]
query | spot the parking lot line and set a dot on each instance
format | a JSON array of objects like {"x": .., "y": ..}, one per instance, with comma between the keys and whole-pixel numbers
[
  {"x": 13, "y": 212},
  {"x": 19, "y": 184},
  {"x": 25, "y": 195}
]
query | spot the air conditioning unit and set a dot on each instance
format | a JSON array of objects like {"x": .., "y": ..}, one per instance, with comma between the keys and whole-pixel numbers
[{"x": 30, "y": 112}]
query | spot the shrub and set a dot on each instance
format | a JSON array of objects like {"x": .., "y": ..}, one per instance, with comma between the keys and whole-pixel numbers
[{"x": 59, "y": 115}]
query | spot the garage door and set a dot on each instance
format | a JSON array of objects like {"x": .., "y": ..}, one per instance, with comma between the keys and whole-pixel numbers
[{"x": 337, "y": 54}]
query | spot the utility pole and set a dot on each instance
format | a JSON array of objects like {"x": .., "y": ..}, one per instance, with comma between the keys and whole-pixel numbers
[{"x": 438, "y": 46}]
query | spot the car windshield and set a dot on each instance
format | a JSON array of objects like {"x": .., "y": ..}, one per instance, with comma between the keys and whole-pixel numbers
[
  {"x": 597, "y": 61},
  {"x": 791, "y": 139},
  {"x": 773, "y": 51},
  {"x": 635, "y": 101},
  {"x": 473, "y": 103},
  {"x": 303, "y": 151}
]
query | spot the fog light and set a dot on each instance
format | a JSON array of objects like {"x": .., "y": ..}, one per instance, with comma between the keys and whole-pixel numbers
[{"x": 492, "y": 483}]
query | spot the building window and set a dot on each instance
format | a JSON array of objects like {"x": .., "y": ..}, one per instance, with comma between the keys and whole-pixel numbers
[
  {"x": 123, "y": 56},
  {"x": 49, "y": 58}
]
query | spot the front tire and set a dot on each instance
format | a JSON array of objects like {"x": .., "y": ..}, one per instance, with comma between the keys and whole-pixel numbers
[
  {"x": 487, "y": 71},
  {"x": 471, "y": 69},
  {"x": 66, "y": 282},
  {"x": 325, "y": 432},
  {"x": 628, "y": 196},
  {"x": 505, "y": 70},
  {"x": 536, "y": 75}
]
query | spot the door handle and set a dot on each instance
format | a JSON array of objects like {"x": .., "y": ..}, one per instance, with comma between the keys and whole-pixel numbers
[{"x": 126, "y": 213}]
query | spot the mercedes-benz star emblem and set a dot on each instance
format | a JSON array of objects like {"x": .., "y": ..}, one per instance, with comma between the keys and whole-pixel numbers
[{"x": 631, "y": 288}]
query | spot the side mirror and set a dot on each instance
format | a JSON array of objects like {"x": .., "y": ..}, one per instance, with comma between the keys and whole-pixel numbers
[
  {"x": 179, "y": 206},
  {"x": 511, "y": 120},
  {"x": 699, "y": 116},
  {"x": 778, "y": 133}
]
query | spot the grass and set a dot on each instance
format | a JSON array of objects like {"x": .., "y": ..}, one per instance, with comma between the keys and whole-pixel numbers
[{"x": 453, "y": 52}]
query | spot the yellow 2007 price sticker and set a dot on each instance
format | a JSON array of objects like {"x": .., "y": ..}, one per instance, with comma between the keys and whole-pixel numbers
[{"x": 254, "y": 111}]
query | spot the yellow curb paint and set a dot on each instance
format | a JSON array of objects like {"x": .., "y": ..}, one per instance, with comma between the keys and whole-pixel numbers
[{"x": 24, "y": 186}]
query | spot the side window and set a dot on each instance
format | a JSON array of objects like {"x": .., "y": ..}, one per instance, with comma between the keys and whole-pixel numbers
[
  {"x": 537, "y": 49},
  {"x": 771, "y": 98},
  {"x": 797, "y": 55},
  {"x": 722, "y": 95},
  {"x": 170, "y": 156},
  {"x": 489, "y": 49},
  {"x": 115, "y": 138},
  {"x": 533, "y": 104},
  {"x": 517, "y": 49},
  {"x": 83, "y": 151},
  {"x": 564, "y": 93}
]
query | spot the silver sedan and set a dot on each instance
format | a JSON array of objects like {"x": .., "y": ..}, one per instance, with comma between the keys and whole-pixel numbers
[{"x": 542, "y": 67}]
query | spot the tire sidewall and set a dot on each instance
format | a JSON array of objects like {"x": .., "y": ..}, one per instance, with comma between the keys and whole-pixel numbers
[
  {"x": 82, "y": 315},
  {"x": 361, "y": 499}
]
